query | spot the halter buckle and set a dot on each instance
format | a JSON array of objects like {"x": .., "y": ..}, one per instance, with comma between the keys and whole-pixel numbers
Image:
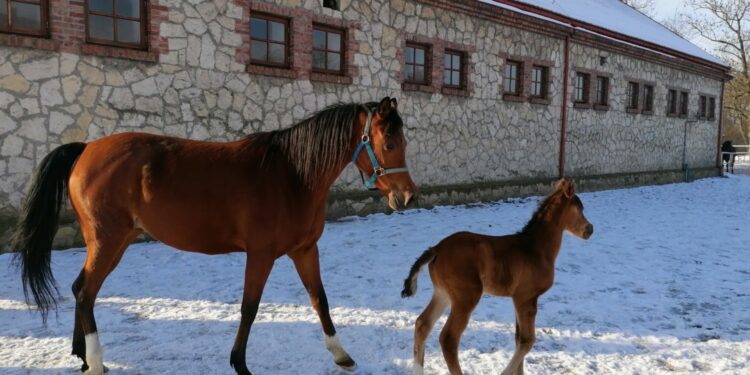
[
  {"x": 365, "y": 138},
  {"x": 379, "y": 171}
]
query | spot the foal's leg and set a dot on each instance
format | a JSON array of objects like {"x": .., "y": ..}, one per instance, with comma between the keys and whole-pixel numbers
[
  {"x": 525, "y": 335},
  {"x": 308, "y": 267},
  {"x": 257, "y": 270},
  {"x": 424, "y": 324},
  {"x": 450, "y": 337}
]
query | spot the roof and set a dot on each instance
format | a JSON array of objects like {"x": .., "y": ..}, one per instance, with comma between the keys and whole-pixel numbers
[{"x": 612, "y": 15}]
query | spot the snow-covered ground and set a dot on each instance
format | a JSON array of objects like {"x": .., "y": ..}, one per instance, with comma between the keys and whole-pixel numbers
[{"x": 663, "y": 286}]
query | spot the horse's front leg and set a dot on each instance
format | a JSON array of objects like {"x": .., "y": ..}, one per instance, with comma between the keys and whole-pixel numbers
[
  {"x": 308, "y": 267},
  {"x": 257, "y": 269}
]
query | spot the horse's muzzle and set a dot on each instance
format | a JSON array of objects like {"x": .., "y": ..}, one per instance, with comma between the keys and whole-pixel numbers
[{"x": 588, "y": 232}]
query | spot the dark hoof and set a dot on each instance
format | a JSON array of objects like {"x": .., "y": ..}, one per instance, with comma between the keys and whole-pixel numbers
[
  {"x": 348, "y": 364},
  {"x": 85, "y": 367},
  {"x": 238, "y": 364}
]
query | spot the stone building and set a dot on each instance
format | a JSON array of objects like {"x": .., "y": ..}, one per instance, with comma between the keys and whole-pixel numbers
[{"x": 499, "y": 97}]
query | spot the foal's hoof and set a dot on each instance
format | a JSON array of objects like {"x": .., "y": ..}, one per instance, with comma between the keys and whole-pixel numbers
[
  {"x": 85, "y": 370},
  {"x": 347, "y": 364}
]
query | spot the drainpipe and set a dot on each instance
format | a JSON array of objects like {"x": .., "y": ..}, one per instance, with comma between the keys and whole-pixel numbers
[
  {"x": 564, "y": 110},
  {"x": 718, "y": 136}
]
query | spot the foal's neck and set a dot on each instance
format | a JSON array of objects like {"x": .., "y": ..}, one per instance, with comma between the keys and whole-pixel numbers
[{"x": 546, "y": 235}]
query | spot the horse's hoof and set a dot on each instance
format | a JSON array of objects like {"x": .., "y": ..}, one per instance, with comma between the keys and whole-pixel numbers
[
  {"x": 347, "y": 364},
  {"x": 85, "y": 369}
]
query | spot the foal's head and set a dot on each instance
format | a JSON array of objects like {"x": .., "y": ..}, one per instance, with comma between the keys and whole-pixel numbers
[
  {"x": 386, "y": 136},
  {"x": 571, "y": 214}
]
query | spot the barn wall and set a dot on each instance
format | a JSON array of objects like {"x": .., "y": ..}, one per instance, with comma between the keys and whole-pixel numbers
[{"x": 464, "y": 145}]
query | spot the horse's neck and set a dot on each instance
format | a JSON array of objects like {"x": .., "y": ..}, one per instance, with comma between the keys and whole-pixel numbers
[{"x": 547, "y": 237}]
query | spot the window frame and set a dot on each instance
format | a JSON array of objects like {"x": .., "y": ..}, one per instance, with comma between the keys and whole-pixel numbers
[
  {"x": 543, "y": 83},
  {"x": 43, "y": 19},
  {"x": 287, "y": 40},
  {"x": 604, "y": 91},
  {"x": 584, "y": 89},
  {"x": 684, "y": 105},
  {"x": 702, "y": 107},
  {"x": 673, "y": 104},
  {"x": 518, "y": 78},
  {"x": 143, "y": 19},
  {"x": 427, "y": 63},
  {"x": 342, "y": 51},
  {"x": 711, "y": 108},
  {"x": 633, "y": 94},
  {"x": 648, "y": 98},
  {"x": 461, "y": 63}
]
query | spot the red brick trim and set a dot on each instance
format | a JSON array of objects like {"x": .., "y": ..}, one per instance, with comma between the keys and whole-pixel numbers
[
  {"x": 119, "y": 52},
  {"x": 408, "y": 86},
  {"x": 28, "y": 41},
  {"x": 527, "y": 63},
  {"x": 514, "y": 98},
  {"x": 330, "y": 78},
  {"x": 437, "y": 49},
  {"x": 601, "y": 107},
  {"x": 535, "y": 100}
]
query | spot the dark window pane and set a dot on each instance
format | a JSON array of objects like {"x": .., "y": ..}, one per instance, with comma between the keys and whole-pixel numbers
[
  {"x": 456, "y": 62},
  {"x": 26, "y": 16},
  {"x": 319, "y": 39},
  {"x": 101, "y": 27},
  {"x": 258, "y": 50},
  {"x": 409, "y": 55},
  {"x": 4, "y": 14},
  {"x": 334, "y": 61},
  {"x": 447, "y": 61},
  {"x": 276, "y": 53},
  {"x": 334, "y": 42},
  {"x": 127, "y": 8},
  {"x": 447, "y": 77},
  {"x": 419, "y": 56},
  {"x": 319, "y": 59},
  {"x": 258, "y": 28},
  {"x": 128, "y": 31},
  {"x": 100, "y": 6},
  {"x": 456, "y": 78},
  {"x": 278, "y": 32},
  {"x": 410, "y": 72},
  {"x": 419, "y": 73}
]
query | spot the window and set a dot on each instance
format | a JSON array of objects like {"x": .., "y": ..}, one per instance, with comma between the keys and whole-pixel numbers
[
  {"x": 648, "y": 98},
  {"x": 702, "y": 110},
  {"x": 269, "y": 40},
  {"x": 23, "y": 16},
  {"x": 332, "y": 4},
  {"x": 602, "y": 90},
  {"x": 711, "y": 108},
  {"x": 582, "y": 88},
  {"x": 632, "y": 95},
  {"x": 511, "y": 82},
  {"x": 416, "y": 67},
  {"x": 539, "y": 81},
  {"x": 452, "y": 69},
  {"x": 672, "y": 102},
  {"x": 327, "y": 49},
  {"x": 116, "y": 22},
  {"x": 684, "y": 103}
]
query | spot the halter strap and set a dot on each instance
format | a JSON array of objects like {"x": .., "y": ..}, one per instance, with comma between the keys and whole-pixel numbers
[{"x": 377, "y": 169}]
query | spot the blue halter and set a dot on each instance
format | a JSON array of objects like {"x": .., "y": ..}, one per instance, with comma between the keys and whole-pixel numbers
[{"x": 377, "y": 169}]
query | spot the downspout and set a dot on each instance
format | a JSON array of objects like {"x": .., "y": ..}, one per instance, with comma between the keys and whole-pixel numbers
[
  {"x": 718, "y": 136},
  {"x": 564, "y": 110}
]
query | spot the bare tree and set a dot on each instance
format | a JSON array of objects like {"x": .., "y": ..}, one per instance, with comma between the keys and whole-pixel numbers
[
  {"x": 644, "y": 6},
  {"x": 726, "y": 24}
]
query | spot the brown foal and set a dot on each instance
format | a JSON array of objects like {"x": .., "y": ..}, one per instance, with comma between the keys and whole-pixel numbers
[
  {"x": 264, "y": 195},
  {"x": 465, "y": 265}
]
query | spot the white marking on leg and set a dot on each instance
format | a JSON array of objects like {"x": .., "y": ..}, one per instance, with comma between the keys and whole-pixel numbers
[
  {"x": 418, "y": 369},
  {"x": 334, "y": 346},
  {"x": 94, "y": 355}
]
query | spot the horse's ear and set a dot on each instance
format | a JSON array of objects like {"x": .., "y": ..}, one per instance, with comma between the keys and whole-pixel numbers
[
  {"x": 567, "y": 187},
  {"x": 394, "y": 104},
  {"x": 384, "y": 107}
]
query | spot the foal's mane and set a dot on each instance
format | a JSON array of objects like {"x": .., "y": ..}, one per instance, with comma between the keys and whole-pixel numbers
[
  {"x": 318, "y": 143},
  {"x": 544, "y": 207}
]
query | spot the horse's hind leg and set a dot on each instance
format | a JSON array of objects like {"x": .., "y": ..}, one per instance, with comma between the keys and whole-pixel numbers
[
  {"x": 424, "y": 324},
  {"x": 307, "y": 263},
  {"x": 462, "y": 306}
]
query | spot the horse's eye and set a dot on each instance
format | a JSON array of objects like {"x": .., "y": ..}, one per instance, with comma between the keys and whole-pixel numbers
[{"x": 389, "y": 146}]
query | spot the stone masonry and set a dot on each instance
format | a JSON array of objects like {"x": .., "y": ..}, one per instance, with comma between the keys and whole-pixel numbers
[{"x": 464, "y": 145}]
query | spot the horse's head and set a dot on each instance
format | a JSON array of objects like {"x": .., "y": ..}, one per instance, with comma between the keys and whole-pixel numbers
[
  {"x": 381, "y": 154},
  {"x": 572, "y": 210}
]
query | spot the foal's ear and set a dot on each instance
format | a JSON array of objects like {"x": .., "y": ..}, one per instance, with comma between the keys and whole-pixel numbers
[
  {"x": 385, "y": 105},
  {"x": 568, "y": 187},
  {"x": 394, "y": 104}
]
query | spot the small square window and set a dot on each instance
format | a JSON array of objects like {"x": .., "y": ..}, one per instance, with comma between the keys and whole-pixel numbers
[
  {"x": 453, "y": 68},
  {"x": 602, "y": 90},
  {"x": 684, "y": 102},
  {"x": 633, "y": 99},
  {"x": 416, "y": 63},
  {"x": 328, "y": 49},
  {"x": 672, "y": 102},
  {"x": 711, "y": 108},
  {"x": 582, "y": 87},
  {"x": 119, "y": 23},
  {"x": 24, "y": 16},
  {"x": 702, "y": 112},
  {"x": 539, "y": 81},
  {"x": 269, "y": 40},
  {"x": 511, "y": 78},
  {"x": 648, "y": 98}
]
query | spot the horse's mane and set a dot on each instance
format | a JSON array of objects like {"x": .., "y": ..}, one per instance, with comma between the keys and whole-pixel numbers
[
  {"x": 544, "y": 206},
  {"x": 317, "y": 143}
]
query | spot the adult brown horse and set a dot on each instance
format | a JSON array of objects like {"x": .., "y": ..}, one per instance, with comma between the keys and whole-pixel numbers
[
  {"x": 465, "y": 265},
  {"x": 264, "y": 195}
]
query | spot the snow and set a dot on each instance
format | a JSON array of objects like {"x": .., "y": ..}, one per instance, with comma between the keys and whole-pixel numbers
[
  {"x": 618, "y": 17},
  {"x": 661, "y": 287}
]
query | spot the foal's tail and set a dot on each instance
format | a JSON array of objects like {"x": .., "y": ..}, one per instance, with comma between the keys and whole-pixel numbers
[
  {"x": 410, "y": 284},
  {"x": 38, "y": 223}
]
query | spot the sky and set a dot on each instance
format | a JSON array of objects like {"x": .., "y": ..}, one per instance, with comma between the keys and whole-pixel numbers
[{"x": 666, "y": 9}]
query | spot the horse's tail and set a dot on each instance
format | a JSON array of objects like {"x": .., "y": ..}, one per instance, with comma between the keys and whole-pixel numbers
[
  {"x": 410, "y": 284},
  {"x": 38, "y": 223}
]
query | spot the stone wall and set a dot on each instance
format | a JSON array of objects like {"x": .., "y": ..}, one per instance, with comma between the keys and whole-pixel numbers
[{"x": 197, "y": 84}]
